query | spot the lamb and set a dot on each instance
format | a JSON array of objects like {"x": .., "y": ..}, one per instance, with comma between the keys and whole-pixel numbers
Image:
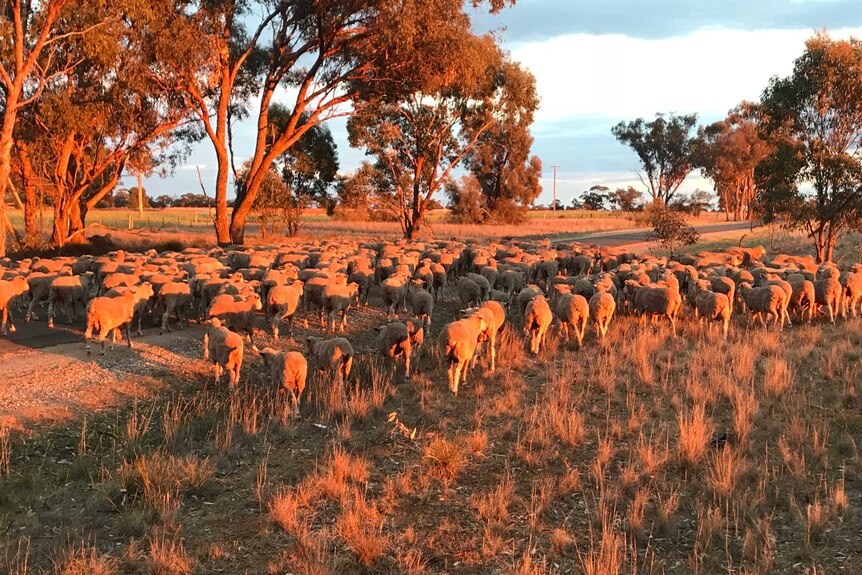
[
  {"x": 537, "y": 319},
  {"x": 469, "y": 292},
  {"x": 458, "y": 342},
  {"x": 288, "y": 371},
  {"x": 602, "y": 307},
  {"x": 237, "y": 315},
  {"x": 68, "y": 292},
  {"x": 827, "y": 291},
  {"x": 175, "y": 298},
  {"x": 572, "y": 310},
  {"x": 714, "y": 306},
  {"x": 396, "y": 340},
  {"x": 765, "y": 300},
  {"x": 337, "y": 300},
  {"x": 282, "y": 303},
  {"x": 333, "y": 355},
  {"x": 108, "y": 314},
  {"x": 224, "y": 349},
  {"x": 654, "y": 301},
  {"x": 10, "y": 290},
  {"x": 422, "y": 304}
]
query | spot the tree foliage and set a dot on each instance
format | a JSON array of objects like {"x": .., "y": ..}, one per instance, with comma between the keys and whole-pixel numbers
[
  {"x": 418, "y": 141},
  {"x": 669, "y": 228},
  {"x": 727, "y": 152},
  {"x": 813, "y": 119},
  {"x": 500, "y": 160},
  {"x": 626, "y": 199},
  {"x": 663, "y": 147},
  {"x": 595, "y": 198}
]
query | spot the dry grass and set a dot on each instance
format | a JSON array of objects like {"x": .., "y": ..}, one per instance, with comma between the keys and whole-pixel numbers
[
  {"x": 360, "y": 525},
  {"x": 167, "y": 556},
  {"x": 695, "y": 430},
  {"x": 86, "y": 560}
]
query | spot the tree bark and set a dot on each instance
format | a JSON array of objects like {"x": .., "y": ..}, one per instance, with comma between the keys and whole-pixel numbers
[
  {"x": 5, "y": 165},
  {"x": 222, "y": 223},
  {"x": 31, "y": 207}
]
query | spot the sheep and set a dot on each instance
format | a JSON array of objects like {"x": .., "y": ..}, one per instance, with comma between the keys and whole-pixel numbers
[
  {"x": 537, "y": 319},
  {"x": 602, "y": 307},
  {"x": 483, "y": 283},
  {"x": 525, "y": 296},
  {"x": 142, "y": 292},
  {"x": 714, "y": 306},
  {"x": 458, "y": 342},
  {"x": 422, "y": 304},
  {"x": 772, "y": 279},
  {"x": 827, "y": 291},
  {"x": 396, "y": 340},
  {"x": 494, "y": 317},
  {"x": 107, "y": 315},
  {"x": 469, "y": 292},
  {"x": 174, "y": 297},
  {"x": 333, "y": 355},
  {"x": 654, "y": 301},
  {"x": 572, "y": 310},
  {"x": 510, "y": 281},
  {"x": 10, "y": 290},
  {"x": 68, "y": 292},
  {"x": 224, "y": 349},
  {"x": 803, "y": 296},
  {"x": 765, "y": 300},
  {"x": 282, "y": 303},
  {"x": 394, "y": 292},
  {"x": 39, "y": 289},
  {"x": 852, "y": 293},
  {"x": 337, "y": 300},
  {"x": 237, "y": 315},
  {"x": 288, "y": 371}
]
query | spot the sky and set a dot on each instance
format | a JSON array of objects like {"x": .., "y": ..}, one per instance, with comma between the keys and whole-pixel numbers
[{"x": 597, "y": 63}]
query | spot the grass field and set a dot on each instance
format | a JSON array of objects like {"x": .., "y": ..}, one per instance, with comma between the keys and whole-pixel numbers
[
  {"x": 646, "y": 454},
  {"x": 317, "y": 224}
]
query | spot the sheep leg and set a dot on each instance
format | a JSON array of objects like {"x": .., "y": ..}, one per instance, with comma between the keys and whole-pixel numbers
[
  {"x": 51, "y": 313},
  {"x": 3, "y": 323},
  {"x": 206, "y": 346},
  {"x": 273, "y": 322},
  {"x": 129, "y": 334},
  {"x": 564, "y": 327},
  {"x": 250, "y": 329},
  {"x": 454, "y": 373},
  {"x": 493, "y": 345},
  {"x": 831, "y": 313},
  {"x": 217, "y": 372},
  {"x": 31, "y": 313}
]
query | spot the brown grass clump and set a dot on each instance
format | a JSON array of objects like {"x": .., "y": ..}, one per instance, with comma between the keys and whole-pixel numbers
[
  {"x": 724, "y": 470},
  {"x": 561, "y": 541},
  {"x": 606, "y": 554},
  {"x": 286, "y": 507},
  {"x": 5, "y": 451},
  {"x": 341, "y": 470},
  {"x": 360, "y": 525},
  {"x": 695, "y": 430},
  {"x": 777, "y": 375},
  {"x": 493, "y": 507},
  {"x": 446, "y": 459},
  {"x": 168, "y": 557},
  {"x": 86, "y": 560}
]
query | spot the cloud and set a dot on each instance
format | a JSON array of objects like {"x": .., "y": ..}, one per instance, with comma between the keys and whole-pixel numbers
[
  {"x": 619, "y": 77},
  {"x": 531, "y": 20}
]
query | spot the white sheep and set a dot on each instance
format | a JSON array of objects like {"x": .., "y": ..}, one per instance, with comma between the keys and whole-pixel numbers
[
  {"x": 10, "y": 290},
  {"x": 333, "y": 355},
  {"x": 282, "y": 303},
  {"x": 573, "y": 311},
  {"x": 602, "y": 307},
  {"x": 336, "y": 302},
  {"x": 224, "y": 349},
  {"x": 107, "y": 315},
  {"x": 458, "y": 342},
  {"x": 288, "y": 371},
  {"x": 537, "y": 319}
]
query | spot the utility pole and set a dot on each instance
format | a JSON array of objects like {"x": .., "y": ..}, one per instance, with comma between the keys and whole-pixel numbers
[
  {"x": 554, "y": 205},
  {"x": 140, "y": 195}
]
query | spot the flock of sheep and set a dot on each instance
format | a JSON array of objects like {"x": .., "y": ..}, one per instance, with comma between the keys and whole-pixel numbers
[{"x": 537, "y": 283}]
